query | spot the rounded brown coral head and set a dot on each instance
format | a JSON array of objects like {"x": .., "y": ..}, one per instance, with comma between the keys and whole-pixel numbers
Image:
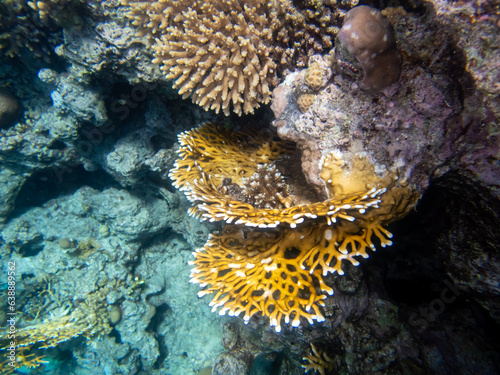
[{"x": 366, "y": 49}]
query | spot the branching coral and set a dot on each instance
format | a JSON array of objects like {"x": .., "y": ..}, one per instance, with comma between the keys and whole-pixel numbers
[
  {"x": 278, "y": 269},
  {"x": 51, "y": 325},
  {"x": 23, "y": 358},
  {"x": 46, "y": 7},
  {"x": 22, "y": 33},
  {"x": 87, "y": 319},
  {"x": 230, "y": 52},
  {"x": 279, "y": 273},
  {"x": 318, "y": 361}
]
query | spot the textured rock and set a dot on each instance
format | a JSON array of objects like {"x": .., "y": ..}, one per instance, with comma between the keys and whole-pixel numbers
[
  {"x": 74, "y": 98},
  {"x": 469, "y": 246},
  {"x": 10, "y": 184},
  {"x": 411, "y": 120},
  {"x": 125, "y": 162}
]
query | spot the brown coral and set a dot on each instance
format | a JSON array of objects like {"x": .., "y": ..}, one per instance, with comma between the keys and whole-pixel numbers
[
  {"x": 366, "y": 41},
  {"x": 230, "y": 53},
  {"x": 217, "y": 61},
  {"x": 314, "y": 77},
  {"x": 274, "y": 269},
  {"x": 305, "y": 101},
  {"x": 44, "y": 8}
]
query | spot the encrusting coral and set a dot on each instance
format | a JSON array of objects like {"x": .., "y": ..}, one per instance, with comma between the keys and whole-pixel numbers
[
  {"x": 366, "y": 43},
  {"x": 277, "y": 268},
  {"x": 227, "y": 53}
]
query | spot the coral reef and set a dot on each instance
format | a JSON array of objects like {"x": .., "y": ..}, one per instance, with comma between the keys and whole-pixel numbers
[
  {"x": 101, "y": 239},
  {"x": 366, "y": 42},
  {"x": 51, "y": 244},
  {"x": 222, "y": 61}
]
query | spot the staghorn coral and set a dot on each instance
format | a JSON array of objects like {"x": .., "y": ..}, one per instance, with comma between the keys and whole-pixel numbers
[
  {"x": 366, "y": 42},
  {"x": 229, "y": 52},
  {"x": 275, "y": 269},
  {"x": 217, "y": 62}
]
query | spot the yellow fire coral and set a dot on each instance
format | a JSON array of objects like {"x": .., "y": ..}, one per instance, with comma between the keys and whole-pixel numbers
[
  {"x": 213, "y": 161},
  {"x": 278, "y": 269},
  {"x": 318, "y": 361},
  {"x": 88, "y": 318},
  {"x": 23, "y": 358},
  {"x": 65, "y": 322},
  {"x": 230, "y": 52}
]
